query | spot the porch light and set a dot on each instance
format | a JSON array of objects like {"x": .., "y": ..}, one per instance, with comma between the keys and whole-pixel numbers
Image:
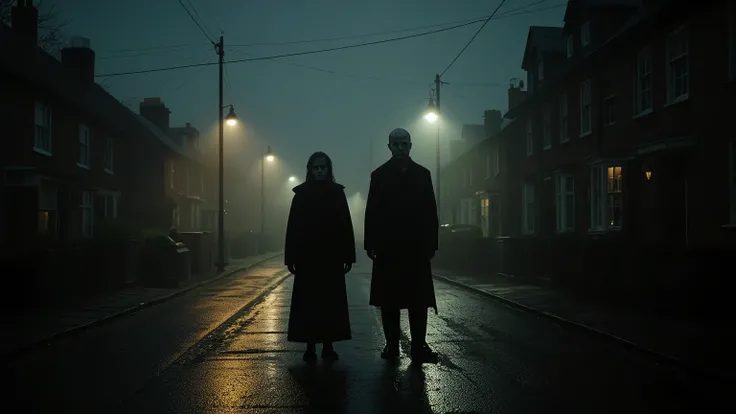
[{"x": 648, "y": 174}]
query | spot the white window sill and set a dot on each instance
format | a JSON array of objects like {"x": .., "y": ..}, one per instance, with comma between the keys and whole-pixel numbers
[
  {"x": 565, "y": 140},
  {"x": 678, "y": 100},
  {"x": 42, "y": 151},
  {"x": 585, "y": 134},
  {"x": 566, "y": 231},
  {"x": 608, "y": 124},
  {"x": 643, "y": 113},
  {"x": 729, "y": 226},
  {"x": 546, "y": 147},
  {"x": 80, "y": 165},
  {"x": 529, "y": 155},
  {"x": 109, "y": 171}
]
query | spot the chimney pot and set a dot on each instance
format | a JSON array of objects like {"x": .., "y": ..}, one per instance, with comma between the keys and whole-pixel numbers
[{"x": 24, "y": 21}]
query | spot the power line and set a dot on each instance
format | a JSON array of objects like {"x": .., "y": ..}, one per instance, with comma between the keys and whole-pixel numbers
[
  {"x": 195, "y": 21},
  {"x": 201, "y": 20},
  {"x": 285, "y": 55},
  {"x": 473, "y": 38},
  {"x": 507, "y": 13}
]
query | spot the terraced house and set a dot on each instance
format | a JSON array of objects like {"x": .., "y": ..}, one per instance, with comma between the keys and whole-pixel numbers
[
  {"x": 74, "y": 159},
  {"x": 628, "y": 139}
]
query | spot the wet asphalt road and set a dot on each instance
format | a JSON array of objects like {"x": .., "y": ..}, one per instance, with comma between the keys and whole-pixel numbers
[{"x": 202, "y": 353}]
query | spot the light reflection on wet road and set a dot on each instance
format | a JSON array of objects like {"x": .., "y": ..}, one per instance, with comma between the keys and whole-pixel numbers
[{"x": 492, "y": 359}]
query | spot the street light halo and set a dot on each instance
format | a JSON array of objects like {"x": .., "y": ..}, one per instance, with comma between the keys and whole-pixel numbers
[
  {"x": 269, "y": 158},
  {"x": 292, "y": 179},
  {"x": 431, "y": 116}
]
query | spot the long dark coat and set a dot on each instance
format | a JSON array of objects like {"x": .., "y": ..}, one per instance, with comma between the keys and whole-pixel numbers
[
  {"x": 319, "y": 241},
  {"x": 401, "y": 227}
]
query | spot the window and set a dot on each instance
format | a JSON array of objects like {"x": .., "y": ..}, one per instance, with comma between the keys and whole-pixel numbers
[
  {"x": 547, "y": 131},
  {"x": 529, "y": 138},
  {"x": 585, "y": 108},
  {"x": 488, "y": 166},
  {"x": 201, "y": 185},
  {"x": 108, "y": 155},
  {"x": 47, "y": 208},
  {"x": 564, "y": 133},
  {"x": 565, "y": 202},
  {"x": 466, "y": 177},
  {"x": 87, "y": 214},
  {"x": 606, "y": 187},
  {"x": 732, "y": 181},
  {"x": 529, "y": 208},
  {"x": 494, "y": 215},
  {"x": 42, "y": 132},
  {"x": 585, "y": 34},
  {"x": 496, "y": 162},
  {"x": 569, "y": 46},
  {"x": 678, "y": 78},
  {"x": 111, "y": 206},
  {"x": 485, "y": 223},
  {"x": 171, "y": 173},
  {"x": 470, "y": 176},
  {"x": 83, "y": 146},
  {"x": 643, "y": 84},
  {"x": 540, "y": 67},
  {"x": 609, "y": 110}
]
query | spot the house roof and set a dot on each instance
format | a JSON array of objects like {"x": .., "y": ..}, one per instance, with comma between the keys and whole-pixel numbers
[
  {"x": 545, "y": 39},
  {"x": 574, "y": 4},
  {"x": 37, "y": 67}
]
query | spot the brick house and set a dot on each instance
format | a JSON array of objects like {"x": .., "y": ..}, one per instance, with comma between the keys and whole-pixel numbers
[
  {"x": 74, "y": 158},
  {"x": 628, "y": 139},
  {"x": 476, "y": 186},
  {"x": 186, "y": 178}
]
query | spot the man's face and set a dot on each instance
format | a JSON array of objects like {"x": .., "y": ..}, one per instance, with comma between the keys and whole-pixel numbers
[
  {"x": 399, "y": 146},
  {"x": 319, "y": 169}
]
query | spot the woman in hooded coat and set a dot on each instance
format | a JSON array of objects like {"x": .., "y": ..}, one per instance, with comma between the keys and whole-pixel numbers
[{"x": 320, "y": 251}]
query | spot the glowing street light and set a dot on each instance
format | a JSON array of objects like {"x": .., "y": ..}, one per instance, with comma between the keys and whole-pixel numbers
[
  {"x": 269, "y": 158},
  {"x": 292, "y": 179},
  {"x": 231, "y": 119}
]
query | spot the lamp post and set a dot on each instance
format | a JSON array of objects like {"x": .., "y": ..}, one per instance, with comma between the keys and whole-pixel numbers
[
  {"x": 432, "y": 115},
  {"x": 231, "y": 120},
  {"x": 267, "y": 156}
]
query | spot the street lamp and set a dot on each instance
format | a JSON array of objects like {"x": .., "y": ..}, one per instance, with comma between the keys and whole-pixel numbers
[
  {"x": 432, "y": 115},
  {"x": 231, "y": 120},
  {"x": 292, "y": 179},
  {"x": 267, "y": 156},
  {"x": 432, "y": 111}
]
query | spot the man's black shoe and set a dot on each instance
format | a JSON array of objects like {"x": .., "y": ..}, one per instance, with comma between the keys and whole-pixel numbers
[{"x": 423, "y": 353}]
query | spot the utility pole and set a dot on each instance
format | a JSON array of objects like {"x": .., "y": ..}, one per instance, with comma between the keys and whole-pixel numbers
[
  {"x": 220, "y": 49},
  {"x": 438, "y": 83},
  {"x": 263, "y": 193}
]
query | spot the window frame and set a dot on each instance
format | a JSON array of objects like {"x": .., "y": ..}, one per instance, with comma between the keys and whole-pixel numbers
[
  {"x": 643, "y": 82},
  {"x": 87, "y": 205},
  {"x": 602, "y": 199},
  {"x": 585, "y": 34},
  {"x": 586, "y": 86},
  {"x": 84, "y": 155},
  {"x": 609, "y": 110},
  {"x": 564, "y": 118},
  {"x": 42, "y": 131},
  {"x": 496, "y": 162},
  {"x": 109, "y": 156},
  {"x": 562, "y": 192},
  {"x": 570, "y": 46},
  {"x": 682, "y": 35}
]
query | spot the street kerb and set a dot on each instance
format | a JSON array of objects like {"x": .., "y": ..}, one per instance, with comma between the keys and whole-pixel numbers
[
  {"x": 77, "y": 329},
  {"x": 660, "y": 357}
]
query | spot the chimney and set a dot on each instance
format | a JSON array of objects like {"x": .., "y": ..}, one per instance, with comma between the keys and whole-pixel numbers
[
  {"x": 516, "y": 96},
  {"x": 79, "y": 59},
  {"x": 24, "y": 21},
  {"x": 154, "y": 110},
  {"x": 491, "y": 122}
]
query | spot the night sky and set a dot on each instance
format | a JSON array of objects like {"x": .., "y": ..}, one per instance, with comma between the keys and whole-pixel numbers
[{"x": 342, "y": 102}]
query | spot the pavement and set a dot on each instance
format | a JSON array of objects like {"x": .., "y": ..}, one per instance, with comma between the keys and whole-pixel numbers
[
  {"x": 703, "y": 346},
  {"x": 23, "y": 332},
  {"x": 222, "y": 349}
]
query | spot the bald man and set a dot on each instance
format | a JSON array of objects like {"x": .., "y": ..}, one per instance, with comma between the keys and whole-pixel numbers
[{"x": 400, "y": 236}]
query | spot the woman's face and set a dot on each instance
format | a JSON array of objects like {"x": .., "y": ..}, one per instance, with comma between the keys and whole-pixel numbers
[{"x": 319, "y": 169}]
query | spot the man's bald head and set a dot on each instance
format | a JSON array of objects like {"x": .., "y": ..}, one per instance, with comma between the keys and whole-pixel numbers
[{"x": 399, "y": 142}]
